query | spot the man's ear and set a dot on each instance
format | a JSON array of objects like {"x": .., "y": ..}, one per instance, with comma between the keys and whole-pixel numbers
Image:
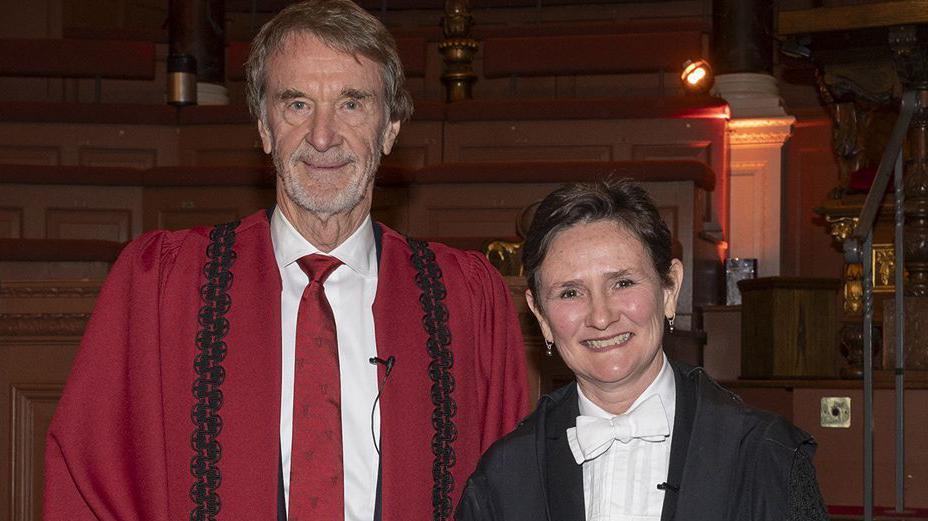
[
  {"x": 389, "y": 136},
  {"x": 267, "y": 138},
  {"x": 539, "y": 316}
]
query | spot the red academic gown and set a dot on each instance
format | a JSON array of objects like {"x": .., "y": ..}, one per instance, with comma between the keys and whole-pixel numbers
[{"x": 119, "y": 447}]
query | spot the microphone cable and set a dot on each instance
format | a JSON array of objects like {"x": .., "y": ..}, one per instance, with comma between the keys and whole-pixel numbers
[{"x": 388, "y": 368}]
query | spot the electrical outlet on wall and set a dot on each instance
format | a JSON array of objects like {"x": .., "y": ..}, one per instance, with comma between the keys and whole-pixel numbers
[{"x": 836, "y": 412}]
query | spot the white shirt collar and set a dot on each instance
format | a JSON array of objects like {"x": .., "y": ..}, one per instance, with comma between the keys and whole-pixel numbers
[
  {"x": 358, "y": 252},
  {"x": 663, "y": 385}
]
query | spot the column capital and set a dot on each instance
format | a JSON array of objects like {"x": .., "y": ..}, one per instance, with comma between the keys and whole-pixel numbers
[
  {"x": 750, "y": 94},
  {"x": 760, "y": 131}
]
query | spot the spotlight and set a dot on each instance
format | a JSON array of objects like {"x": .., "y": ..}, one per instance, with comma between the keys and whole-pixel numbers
[{"x": 697, "y": 76}]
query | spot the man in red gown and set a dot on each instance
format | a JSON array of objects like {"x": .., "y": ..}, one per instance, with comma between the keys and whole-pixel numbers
[{"x": 180, "y": 404}]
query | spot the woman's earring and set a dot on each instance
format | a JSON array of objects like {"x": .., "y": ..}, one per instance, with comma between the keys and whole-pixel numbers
[
  {"x": 671, "y": 322},
  {"x": 549, "y": 348}
]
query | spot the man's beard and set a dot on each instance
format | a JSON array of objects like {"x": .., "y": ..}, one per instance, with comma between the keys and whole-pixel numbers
[{"x": 343, "y": 200}]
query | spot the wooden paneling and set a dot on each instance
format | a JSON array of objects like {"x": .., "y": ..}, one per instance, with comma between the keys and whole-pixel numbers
[
  {"x": 231, "y": 156},
  {"x": 607, "y": 85},
  {"x": 11, "y": 223},
  {"x": 473, "y": 221},
  {"x": 915, "y": 320},
  {"x": 848, "y": 17},
  {"x": 86, "y": 223},
  {"x": 529, "y": 140},
  {"x": 671, "y": 217},
  {"x": 216, "y": 145},
  {"x": 418, "y": 144},
  {"x": 26, "y": 271},
  {"x": 789, "y": 327},
  {"x": 722, "y": 355},
  {"x": 76, "y": 58},
  {"x": 528, "y": 152},
  {"x": 183, "y": 207},
  {"x": 117, "y": 157},
  {"x": 92, "y": 211},
  {"x": 30, "y": 155},
  {"x": 809, "y": 174},
  {"x": 437, "y": 208},
  {"x": 839, "y": 458},
  {"x": 391, "y": 207},
  {"x": 181, "y": 219},
  {"x": 698, "y": 150},
  {"x": 407, "y": 157},
  {"x": 700, "y": 138},
  {"x": 104, "y": 144},
  {"x": 32, "y": 407},
  {"x": 34, "y": 371},
  {"x": 589, "y": 53},
  {"x": 839, "y": 453},
  {"x": 40, "y": 327}
]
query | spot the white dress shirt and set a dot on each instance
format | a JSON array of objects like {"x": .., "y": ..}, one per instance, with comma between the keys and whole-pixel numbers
[
  {"x": 621, "y": 484},
  {"x": 350, "y": 290}
]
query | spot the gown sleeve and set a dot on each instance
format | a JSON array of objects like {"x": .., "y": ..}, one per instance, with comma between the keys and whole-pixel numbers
[
  {"x": 475, "y": 503},
  {"x": 104, "y": 456},
  {"x": 784, "y": 486},
  {"x": 805, "y": 499},
  {"x": 501, "y": 354}
]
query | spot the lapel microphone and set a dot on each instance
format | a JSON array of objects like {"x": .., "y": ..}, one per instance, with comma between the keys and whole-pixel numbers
[
  {"x": 667, "y": 486},
  {"x": 387, "y": 368},
  {"x": 387, "y": 364}
]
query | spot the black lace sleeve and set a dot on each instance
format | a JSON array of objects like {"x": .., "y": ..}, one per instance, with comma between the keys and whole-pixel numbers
[{"x": 805, "y": 499}]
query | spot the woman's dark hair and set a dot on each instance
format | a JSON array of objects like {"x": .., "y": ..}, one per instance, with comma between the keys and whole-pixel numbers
[{"x": 620, "y": 201}]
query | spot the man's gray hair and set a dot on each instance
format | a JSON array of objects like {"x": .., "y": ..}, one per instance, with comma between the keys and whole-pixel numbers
[{"x": 341, "y": 25}]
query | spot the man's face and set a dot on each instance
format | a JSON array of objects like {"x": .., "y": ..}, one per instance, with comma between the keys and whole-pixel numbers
[{"x": 325, "y": 125}]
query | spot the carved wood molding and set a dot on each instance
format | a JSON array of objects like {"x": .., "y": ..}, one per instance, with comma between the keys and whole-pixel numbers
[
  {"x": 30, "y": 290},
  {"x": 43, "y": 324},
  {"x": 24, "y": 399}
]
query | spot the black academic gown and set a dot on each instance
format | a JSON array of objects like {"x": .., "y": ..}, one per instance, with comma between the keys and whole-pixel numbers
[{"x": 727, "y": 462}]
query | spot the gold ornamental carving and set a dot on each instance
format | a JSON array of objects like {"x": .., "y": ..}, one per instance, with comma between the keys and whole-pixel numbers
[
  {"x": 853, "y": 295},
  {"x": 884, "y": 268},
  {"x": 840, "y": 228},
  {"x": 505, "y": 256},
  {"x": 458, "y": 51}
]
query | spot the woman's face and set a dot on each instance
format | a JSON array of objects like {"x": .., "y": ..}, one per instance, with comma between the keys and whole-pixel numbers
[{"x": 603, "y": 304}]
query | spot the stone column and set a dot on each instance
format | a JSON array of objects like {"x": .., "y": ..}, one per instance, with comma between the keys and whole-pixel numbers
[{"x": 758, "y": 128}]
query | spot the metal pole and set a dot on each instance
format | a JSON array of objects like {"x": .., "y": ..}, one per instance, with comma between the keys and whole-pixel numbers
[
  {"x": 868, "y": 376},
  {"x": 900, "y": 335}
]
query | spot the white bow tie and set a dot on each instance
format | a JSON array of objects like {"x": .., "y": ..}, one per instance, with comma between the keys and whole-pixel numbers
[{"x": 593, "y": 435}]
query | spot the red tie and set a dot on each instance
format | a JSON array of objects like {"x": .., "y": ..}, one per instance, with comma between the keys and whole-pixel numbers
[{"x": 316, "y": 474}]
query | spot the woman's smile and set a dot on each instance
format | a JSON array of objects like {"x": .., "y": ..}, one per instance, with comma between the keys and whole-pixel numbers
[{"x": 602, "y": 344}]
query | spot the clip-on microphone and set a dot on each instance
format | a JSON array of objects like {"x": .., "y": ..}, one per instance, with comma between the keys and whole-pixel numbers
[{"x": 388, "y": 367}]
